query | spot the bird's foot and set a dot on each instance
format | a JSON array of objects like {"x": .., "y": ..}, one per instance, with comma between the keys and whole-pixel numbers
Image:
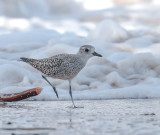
[
  {"x": 74, "y": 107},
  {"x": 78, "y": 107}
]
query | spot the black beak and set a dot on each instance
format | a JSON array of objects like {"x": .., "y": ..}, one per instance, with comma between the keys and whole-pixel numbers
[{"x": 96, "y": 54}]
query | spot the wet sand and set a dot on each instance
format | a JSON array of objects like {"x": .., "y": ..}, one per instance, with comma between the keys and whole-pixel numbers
[{"x": 98, "y": 117}]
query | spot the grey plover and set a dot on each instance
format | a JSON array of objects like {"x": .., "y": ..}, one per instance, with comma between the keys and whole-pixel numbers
[{"x": 63, "y": 66}]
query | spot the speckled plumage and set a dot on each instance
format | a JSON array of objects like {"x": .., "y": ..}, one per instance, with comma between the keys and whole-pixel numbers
[{"x": 63, "y": 66}]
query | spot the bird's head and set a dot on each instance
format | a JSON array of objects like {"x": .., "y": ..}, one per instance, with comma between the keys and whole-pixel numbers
[{"x": 89, "y": 51}]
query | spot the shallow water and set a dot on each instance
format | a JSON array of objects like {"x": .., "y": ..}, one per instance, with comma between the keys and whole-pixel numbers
[{"x": 97, "y": 117}]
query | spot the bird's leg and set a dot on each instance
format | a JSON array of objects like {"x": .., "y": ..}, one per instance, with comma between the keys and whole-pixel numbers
[
  {"x": 70, "y": 92},
  {"x": 51, "y": 85}
]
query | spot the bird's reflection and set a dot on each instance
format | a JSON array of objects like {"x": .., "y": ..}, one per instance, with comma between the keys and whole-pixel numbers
[{"x": 70, "y": 118}]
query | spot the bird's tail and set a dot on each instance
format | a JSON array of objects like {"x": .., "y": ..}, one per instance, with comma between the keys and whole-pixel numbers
[
  {"x": 24, "y": 59},
  {"x": 28, "y": 60}
]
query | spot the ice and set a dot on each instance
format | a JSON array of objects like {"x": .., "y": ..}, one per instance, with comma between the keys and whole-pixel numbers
[{"x": 127, "y": 35}]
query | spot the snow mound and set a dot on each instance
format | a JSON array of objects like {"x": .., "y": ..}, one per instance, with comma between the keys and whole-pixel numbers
[
  {"x": 127, "y": 37},
  {"x": 15, "y": 75},
  {"x": 108, "y": 30},
  {"x": 144, "y": 64}
]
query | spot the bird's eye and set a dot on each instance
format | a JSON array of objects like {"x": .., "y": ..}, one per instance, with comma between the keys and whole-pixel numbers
[{"x": 86, "y": 50}]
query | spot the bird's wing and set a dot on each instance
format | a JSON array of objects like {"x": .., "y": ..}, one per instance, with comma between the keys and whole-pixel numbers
[
  {"x": 50, "y": 66},
  {"x": 48, "y": 62},
  {"x": 53, "y": 65},
  {"x": 52, "y": 62}
]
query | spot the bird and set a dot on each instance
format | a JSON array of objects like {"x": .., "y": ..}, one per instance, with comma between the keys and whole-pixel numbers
[{"x": 63, "y": 66}]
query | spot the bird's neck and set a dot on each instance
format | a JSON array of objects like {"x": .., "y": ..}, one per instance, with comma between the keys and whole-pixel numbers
[{"x": 84, "y": 57}]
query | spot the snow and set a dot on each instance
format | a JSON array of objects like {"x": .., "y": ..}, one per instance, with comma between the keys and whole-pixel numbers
[
  {"x": 109, "y": 31},
  {"x": 126, "y": 35}
]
